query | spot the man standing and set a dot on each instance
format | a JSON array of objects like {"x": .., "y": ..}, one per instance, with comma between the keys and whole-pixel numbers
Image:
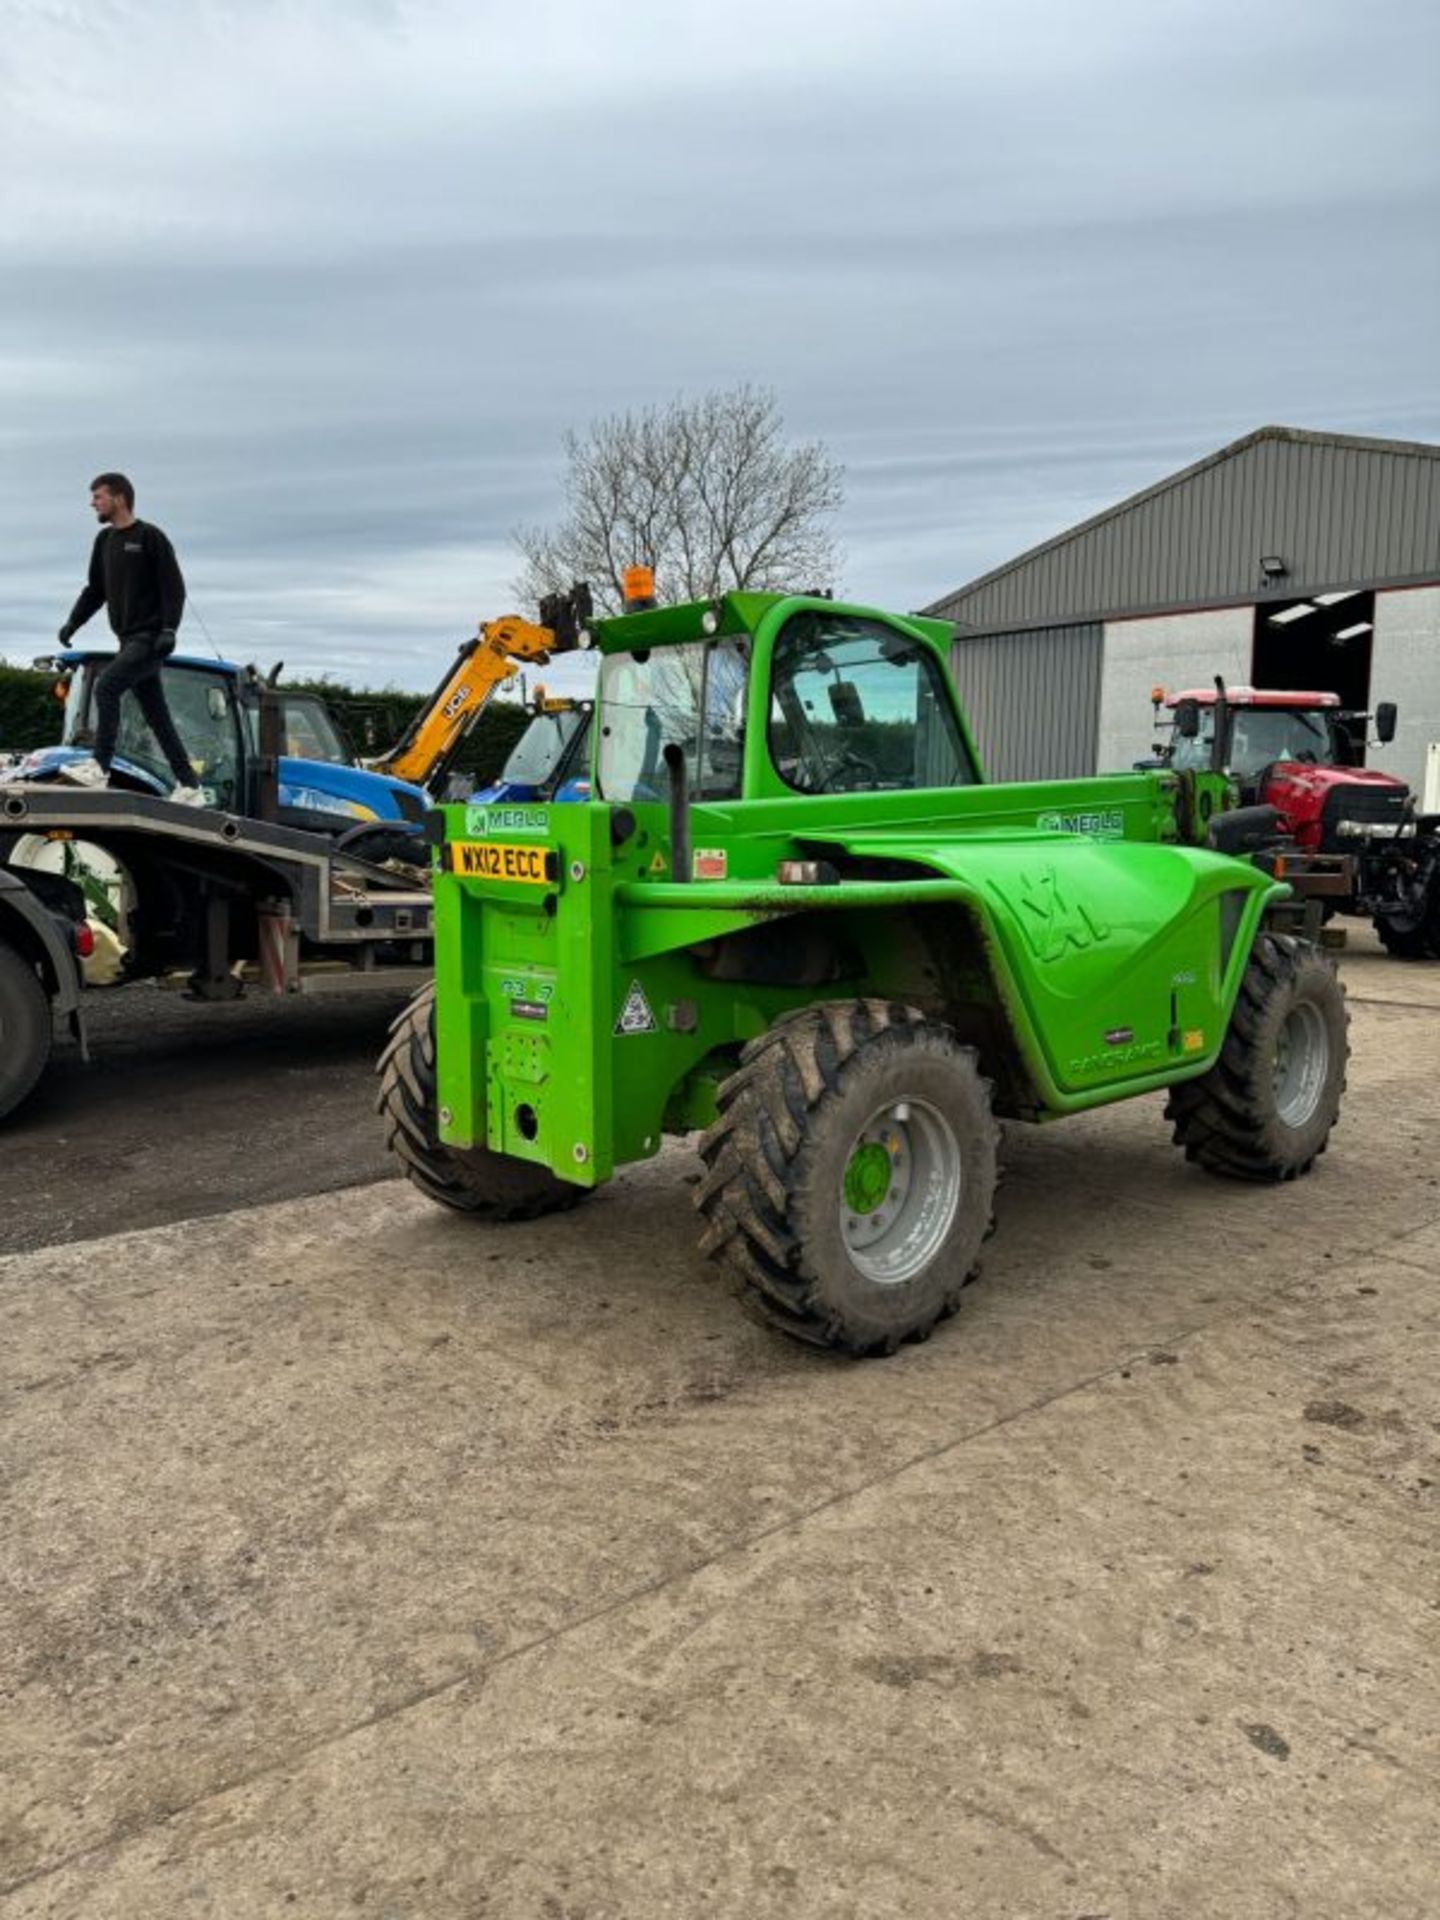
[{"x": 135, "y": 575}]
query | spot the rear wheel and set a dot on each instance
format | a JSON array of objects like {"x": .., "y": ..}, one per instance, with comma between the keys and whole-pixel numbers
[
  {"x": 26, "y": 1029},
  {"x": 851, "y": 1176},
  {"x": 1264, "y": 1111},
  {"x": 492, "y": 1186}
]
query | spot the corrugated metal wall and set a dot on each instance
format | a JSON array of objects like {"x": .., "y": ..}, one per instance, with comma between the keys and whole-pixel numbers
[
  {"x": 1338, "y": 513},
  {"x": 1033, "y": 700}
]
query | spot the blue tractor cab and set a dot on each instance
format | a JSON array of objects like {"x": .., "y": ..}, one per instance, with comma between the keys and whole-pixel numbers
[
  {"x": 550, "y": 760},
  {"x": 315, "y": 785}
]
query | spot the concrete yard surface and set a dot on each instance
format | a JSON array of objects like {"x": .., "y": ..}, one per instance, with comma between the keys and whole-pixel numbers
[{"x": 362, "y": 1561}]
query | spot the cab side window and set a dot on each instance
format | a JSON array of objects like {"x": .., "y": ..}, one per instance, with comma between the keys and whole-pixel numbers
[{"x": 860, "y": 707}]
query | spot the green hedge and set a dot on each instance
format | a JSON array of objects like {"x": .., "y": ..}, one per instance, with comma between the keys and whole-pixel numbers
[
  {"x": 375, "y": 720},
  {"x": 30, "y": 716},
  {"x": 488, "y": 746}
]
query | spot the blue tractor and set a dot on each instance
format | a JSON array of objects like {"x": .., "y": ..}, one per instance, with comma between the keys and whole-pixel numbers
[{"x": 260, "y": 751}]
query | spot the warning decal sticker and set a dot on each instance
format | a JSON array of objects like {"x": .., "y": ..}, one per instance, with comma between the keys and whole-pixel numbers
[{"x": 635, "y": 1015}]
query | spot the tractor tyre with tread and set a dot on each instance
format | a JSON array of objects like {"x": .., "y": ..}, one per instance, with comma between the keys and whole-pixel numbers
[
  {"x": 850, "y": 1178},
  {"x": 489, "y": 1186},
  {"x": 1265, "y": 1110},
  {"x": 1416, "y": 938},
  {"x": 27, "y": 1029}
]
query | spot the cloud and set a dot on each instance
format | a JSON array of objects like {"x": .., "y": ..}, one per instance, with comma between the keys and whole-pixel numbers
[{"x": 331, "y": 281}]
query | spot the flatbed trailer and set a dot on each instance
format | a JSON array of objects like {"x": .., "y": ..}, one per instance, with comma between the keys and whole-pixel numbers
[{"x": 212, "y": 900}]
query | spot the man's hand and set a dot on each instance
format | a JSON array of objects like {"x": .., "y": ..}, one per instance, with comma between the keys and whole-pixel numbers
[
  {"x": 165, "y": 640},
  {"x": 66, "y": 634}
]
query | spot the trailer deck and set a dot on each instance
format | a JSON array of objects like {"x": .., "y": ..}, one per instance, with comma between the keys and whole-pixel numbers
[{"x": 213, "y": 901}]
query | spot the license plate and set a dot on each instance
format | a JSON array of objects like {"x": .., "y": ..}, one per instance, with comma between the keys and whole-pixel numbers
[{"x": 502, "y": 860}]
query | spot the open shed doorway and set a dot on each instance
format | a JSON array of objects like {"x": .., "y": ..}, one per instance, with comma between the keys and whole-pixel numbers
[{"x": 1319, "y": 645}]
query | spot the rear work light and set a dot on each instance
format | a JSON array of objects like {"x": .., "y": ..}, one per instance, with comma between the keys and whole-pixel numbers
[{"x": 84, "y": 939}]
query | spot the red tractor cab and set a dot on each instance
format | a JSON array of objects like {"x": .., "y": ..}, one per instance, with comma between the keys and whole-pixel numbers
[{"x": 1301, "y": 753}]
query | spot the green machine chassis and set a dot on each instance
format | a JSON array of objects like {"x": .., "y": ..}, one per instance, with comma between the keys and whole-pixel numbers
[{"x": 763, "y": 963}]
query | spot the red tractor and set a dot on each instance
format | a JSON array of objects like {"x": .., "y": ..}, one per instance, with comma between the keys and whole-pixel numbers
[{"x": 1299, "y": 754}]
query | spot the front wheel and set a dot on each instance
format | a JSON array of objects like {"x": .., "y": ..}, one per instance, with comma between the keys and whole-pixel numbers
[
  {"x": 491, "y": 1186},
  {"x": 851, "y": 1176},
  {"x": 26, "y": 1029},
  {"x": 1404, "y": 940},
  {"x": 1415, "y": 935},
  {"x": 1264, "y": 1111}
]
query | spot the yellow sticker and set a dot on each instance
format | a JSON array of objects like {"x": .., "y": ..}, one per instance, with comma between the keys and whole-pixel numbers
[
  {"x": 657, "y": 865},
  {"x": 1194, "y": 1040}
]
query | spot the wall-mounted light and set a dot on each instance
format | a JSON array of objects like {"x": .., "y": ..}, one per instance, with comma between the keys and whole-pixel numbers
[{"x": 1273, "y": 567}]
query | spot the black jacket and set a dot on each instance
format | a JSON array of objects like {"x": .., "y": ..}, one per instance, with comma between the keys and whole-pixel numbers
[{"x": 133, "y": 573}]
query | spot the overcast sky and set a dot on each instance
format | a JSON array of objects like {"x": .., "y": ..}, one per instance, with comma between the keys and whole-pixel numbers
[{"x": 330, "y": 278}]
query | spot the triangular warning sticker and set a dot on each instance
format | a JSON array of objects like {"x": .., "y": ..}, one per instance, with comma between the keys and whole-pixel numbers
[
  {"x": 635, "y": 1015},
  {"x": 657, "y": 865}
]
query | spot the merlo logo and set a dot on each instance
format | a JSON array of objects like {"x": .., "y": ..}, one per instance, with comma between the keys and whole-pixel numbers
[{"x": 1051, "y": 921}]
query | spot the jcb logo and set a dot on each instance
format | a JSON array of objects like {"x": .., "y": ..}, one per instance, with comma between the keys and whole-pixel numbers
[
  {"x": 456, "y": 701},
  {"x": 1052, "y": 922}
]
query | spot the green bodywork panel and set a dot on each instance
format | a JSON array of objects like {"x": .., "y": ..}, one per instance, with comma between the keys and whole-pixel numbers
[{"x": 1060, "y": 927}]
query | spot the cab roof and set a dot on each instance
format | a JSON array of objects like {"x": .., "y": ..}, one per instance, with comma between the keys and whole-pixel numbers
[
  {"x": 737, "y": 613},
  {"x": 77, "y": 657},
  {"x": 1255, "y": 697}
]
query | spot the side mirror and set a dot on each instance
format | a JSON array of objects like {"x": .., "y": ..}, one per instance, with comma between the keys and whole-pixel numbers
[
  {"x": 1386, "y": 715},
  {"x": 216, "y": 703},
  {"x": 1187, "y": 719},
  {"x": 845, "y": 703}
]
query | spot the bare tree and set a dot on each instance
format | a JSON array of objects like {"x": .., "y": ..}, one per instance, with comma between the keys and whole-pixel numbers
[{"x": 705, "y": 491}]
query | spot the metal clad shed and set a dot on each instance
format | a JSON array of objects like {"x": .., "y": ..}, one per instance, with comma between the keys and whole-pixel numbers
[
  {"x": 1337, "y": 512},
  {"x": 1033, "y": 700}
]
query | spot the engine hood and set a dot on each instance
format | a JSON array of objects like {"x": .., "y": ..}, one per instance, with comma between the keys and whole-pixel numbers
[
  {"x": 1300, "y": 777},
  {"x": 325, "y": 786}
]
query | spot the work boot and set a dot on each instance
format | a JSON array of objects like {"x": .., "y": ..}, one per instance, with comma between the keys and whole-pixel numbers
[
  {"x": 186, "y": 797},
  {"x": 85, "y": 773}
]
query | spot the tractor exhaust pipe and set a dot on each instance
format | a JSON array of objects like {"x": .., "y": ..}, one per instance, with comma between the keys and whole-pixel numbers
[
  {"x": 1220, "y": 738},
  {"x": 267, "y": 761},
  {"x": 679, "y": 812}
]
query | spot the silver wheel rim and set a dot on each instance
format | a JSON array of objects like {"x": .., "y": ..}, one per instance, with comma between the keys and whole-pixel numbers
[
  {"x": 895, "y": 1217},
  {"x": 1302, "y": 1063}
]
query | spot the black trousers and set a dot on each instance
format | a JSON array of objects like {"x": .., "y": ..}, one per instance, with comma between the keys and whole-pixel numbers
[{"x": 136, "y": 669}]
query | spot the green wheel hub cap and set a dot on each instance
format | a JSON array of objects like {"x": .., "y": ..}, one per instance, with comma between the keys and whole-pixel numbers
[{"x": 867, "y": 1178}]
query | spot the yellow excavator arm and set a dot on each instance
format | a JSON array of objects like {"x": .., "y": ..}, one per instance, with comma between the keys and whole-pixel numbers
[{"x": 495, "y": 655}]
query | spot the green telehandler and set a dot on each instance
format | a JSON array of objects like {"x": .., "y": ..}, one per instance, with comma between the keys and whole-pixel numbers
[{"x": 793, "y": 918}]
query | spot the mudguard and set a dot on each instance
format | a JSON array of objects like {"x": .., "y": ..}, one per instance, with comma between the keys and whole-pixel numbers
[
  {"x": 1116, "y": 960},
  {"x": 18, "y": 903}
]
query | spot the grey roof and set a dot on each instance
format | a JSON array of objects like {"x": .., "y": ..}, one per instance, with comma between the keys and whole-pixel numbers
[{"x": 1338, "y": 509}]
